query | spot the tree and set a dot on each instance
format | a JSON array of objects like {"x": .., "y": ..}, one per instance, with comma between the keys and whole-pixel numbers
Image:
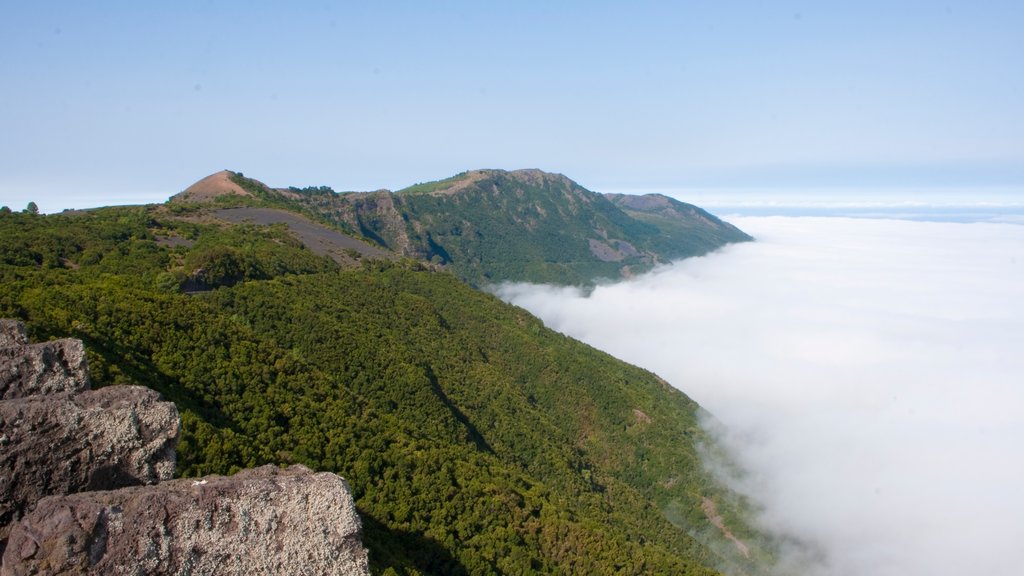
[{"x": 32, "y": 208}]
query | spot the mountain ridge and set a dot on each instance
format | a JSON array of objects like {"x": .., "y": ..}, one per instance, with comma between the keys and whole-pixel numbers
[{"x": 490, "y": 226}]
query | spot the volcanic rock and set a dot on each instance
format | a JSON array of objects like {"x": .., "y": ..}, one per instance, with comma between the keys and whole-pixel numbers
[
  {"x": 12, "y": 333},
  {"x": 44, "y": 368},
  {"x": 94, "y": 440},
  {"x": 259, "y": 521}
]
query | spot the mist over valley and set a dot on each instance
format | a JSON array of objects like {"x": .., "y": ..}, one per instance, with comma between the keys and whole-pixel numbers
[{"x": 864, "y": 373}]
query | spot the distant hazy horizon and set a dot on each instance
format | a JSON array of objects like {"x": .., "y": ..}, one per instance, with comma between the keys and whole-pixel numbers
[
  {"x": 129, "y": 102},
  {"x": 936, "y": 203},
  {"x": 928, "y": 204}
]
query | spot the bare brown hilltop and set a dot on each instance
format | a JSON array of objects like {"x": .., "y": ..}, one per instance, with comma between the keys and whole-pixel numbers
[{"x": 214, "y": 185}]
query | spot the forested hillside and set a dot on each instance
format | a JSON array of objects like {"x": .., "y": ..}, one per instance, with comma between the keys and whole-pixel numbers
[
  {"x": 492, "y": 226},
  {"x": 476, "y": 441}
]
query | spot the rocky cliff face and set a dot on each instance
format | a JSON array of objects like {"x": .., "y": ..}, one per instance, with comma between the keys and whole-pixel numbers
[{"x": 86, "y": 486}]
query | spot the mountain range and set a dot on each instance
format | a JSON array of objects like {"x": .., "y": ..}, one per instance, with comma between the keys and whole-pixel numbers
[{"x": 344, "y": 332}]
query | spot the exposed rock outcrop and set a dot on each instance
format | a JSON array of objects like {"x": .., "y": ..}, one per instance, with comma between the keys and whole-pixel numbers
[
  {"x": 94, "y": 440},
  {"x": 12, "y": 333},
  {"x": 45, "y": 368},
  {"x": 260, "y": 521}
]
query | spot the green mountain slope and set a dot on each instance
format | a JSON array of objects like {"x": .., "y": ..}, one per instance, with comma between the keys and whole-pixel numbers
[
  {"x": 476, "y": 441},
  {"x": 683, "y": 229},
  {"x": 490, "y": 226}
]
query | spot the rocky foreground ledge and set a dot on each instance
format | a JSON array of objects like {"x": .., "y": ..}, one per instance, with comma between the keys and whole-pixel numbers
[
  {"x": 45, "y": 368},
  {"x": 85, "y": 486},
  {"x": 260, "y": 521},
  {"x": 94, "y": 440}
]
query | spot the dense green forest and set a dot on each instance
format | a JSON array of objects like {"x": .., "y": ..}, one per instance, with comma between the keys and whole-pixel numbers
[{"x": 475, "y": 440}]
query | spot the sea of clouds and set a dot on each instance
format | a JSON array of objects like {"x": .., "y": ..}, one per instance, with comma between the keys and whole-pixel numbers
[{"x": 867, "y": 374}]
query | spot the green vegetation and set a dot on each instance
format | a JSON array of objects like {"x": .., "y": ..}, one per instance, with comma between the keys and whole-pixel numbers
[
  {"x": 434, "y": 186},
  {"x": 476, "y": 441},
  {"x": 510, "y": 230},
  {"x": 683, "y": 229},
  {"x": 267, "y": 197}
]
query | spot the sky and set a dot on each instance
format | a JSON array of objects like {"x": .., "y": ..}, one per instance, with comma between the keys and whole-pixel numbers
[
  {"x": 129, "y": 102},
  {"x": 865, "y": 373}
]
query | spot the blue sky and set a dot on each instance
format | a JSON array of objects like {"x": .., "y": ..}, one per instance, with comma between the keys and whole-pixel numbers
[{"x": 114, "y": 102}]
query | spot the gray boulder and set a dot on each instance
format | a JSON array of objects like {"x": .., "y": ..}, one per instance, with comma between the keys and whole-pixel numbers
[
  {"x": 12, "y": 333},
  {"x": 44, "y": 368},
  {"x": 94, "y": 440},
  {"x": 260, "y": 521}
]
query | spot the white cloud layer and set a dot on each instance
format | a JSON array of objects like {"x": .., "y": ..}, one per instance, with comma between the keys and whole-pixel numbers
[{"x": 869, "y": 375}]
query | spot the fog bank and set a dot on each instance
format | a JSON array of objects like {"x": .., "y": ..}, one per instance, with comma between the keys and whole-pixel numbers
[{"x": 869, "y": 374}]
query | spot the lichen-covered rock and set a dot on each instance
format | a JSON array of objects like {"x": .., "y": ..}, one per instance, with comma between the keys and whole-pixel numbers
[
  {"x": 260, "y": 521},
  {"x": 44, "y": 368},
  {"x": 12, "y": 333},
  {"x": 94, "y": 440}
]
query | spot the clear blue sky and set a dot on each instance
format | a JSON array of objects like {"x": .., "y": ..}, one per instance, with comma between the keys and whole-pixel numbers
[{"x": 114, "y": 102}]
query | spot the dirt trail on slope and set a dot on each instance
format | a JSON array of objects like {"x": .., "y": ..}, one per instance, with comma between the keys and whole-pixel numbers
[
  {"x": 711, "y": 511},
  {"x": 317, "y": 237}
]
